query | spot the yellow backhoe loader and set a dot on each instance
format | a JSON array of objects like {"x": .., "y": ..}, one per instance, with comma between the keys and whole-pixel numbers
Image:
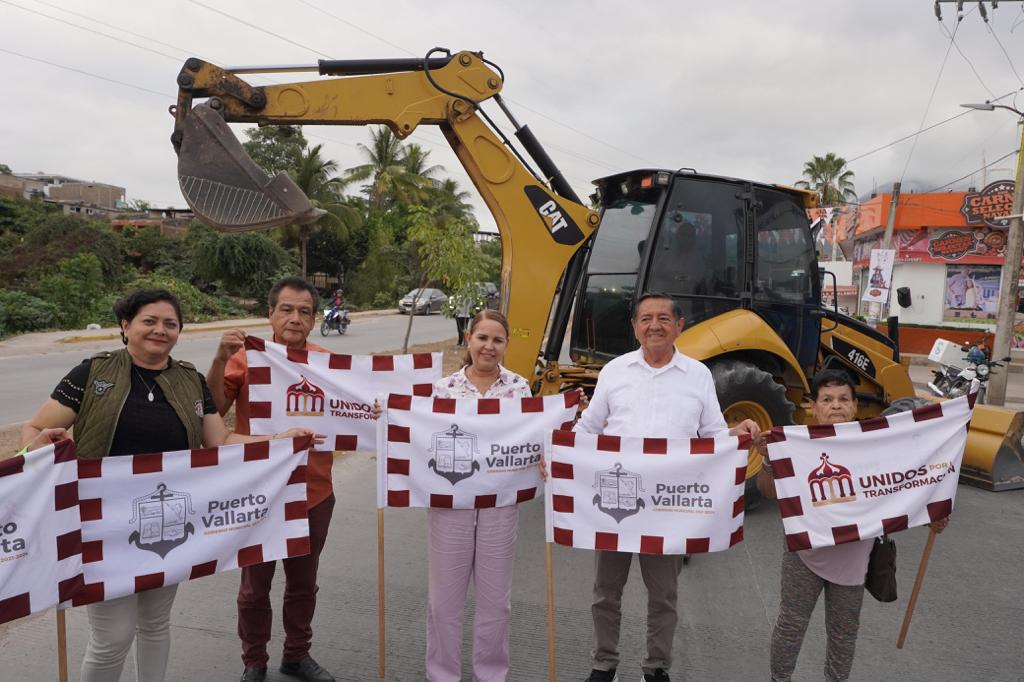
[{"x": 737, "y": 255}]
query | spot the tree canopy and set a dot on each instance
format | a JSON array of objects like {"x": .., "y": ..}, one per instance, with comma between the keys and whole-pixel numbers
[{"x": 828, "y": 176}]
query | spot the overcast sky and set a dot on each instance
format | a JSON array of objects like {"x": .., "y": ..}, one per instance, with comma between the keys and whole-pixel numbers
[{"x": 748, "y": 89}]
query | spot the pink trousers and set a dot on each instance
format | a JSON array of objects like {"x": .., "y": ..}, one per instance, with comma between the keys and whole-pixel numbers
[{"x": 464, "y": 543}]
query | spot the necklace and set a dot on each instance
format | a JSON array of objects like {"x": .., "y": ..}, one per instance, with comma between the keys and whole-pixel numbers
[{"x": 150, "y": 388}]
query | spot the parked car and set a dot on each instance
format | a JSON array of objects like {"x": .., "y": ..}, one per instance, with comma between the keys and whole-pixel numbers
[
  {"x": 427, "y": 301},
  {"x": 489, "y": 292}
]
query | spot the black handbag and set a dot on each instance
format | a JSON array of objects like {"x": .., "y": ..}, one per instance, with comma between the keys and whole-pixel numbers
[{"x": 880, "y": 579}]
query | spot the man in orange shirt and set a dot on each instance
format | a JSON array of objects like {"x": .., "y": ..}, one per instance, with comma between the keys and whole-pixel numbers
[{"x": 293, "y": 304}]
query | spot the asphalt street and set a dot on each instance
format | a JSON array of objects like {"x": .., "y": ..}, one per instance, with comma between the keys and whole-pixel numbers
[
  {"x": 29, "y": 378},
  {"x": 967, "y": 625}
]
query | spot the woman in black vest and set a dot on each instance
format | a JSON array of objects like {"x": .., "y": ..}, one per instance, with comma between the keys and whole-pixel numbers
[{"x": 126, "y": 402}]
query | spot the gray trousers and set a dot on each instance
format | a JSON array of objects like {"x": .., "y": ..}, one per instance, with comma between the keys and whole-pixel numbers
[
  {"x": 800, "y": 590},
  {"x": 144, "y": 618},
  {"x": 661, "y": 576}
]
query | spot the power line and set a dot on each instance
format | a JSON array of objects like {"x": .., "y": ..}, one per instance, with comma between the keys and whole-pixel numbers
[
  {"x": 935, "y": 87},
  {"x": 924, "y": 130},
  {"x": 111, "y": 26},
  {"x": 1005, "y": 53},
  {"x": 517, "y": 103},
  {"x": 358, "y": 28},
  {"x": 987, "y": 165},
  {"x": 90, "y": 30},
  {"x": 86, "y": 73},
  {"x": 259, "y": 28},
  {"x": 969, "y": 62}
]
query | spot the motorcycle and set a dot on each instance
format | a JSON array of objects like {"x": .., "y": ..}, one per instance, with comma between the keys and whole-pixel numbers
[
  {"x": 953, "y": 380},
  {"x": 336, "y": 319}
]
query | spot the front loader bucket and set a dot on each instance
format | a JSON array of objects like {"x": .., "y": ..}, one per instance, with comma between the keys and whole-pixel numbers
[
  {"x": 225, "y": 188},
  {"x": 994, "y": 457}
]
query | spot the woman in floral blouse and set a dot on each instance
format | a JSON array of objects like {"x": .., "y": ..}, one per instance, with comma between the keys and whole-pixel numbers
[{"x": 477, "y": 543}]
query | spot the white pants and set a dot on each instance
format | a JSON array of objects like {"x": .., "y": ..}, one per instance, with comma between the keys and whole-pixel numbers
[{"x": 144, "y": 617}]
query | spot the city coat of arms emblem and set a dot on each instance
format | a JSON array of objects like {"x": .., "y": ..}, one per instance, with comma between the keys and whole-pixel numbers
[
  {"x": 618, "y": 492},
  {"x": 454, "y": 454},
  {"x": 162, "y": 518}
]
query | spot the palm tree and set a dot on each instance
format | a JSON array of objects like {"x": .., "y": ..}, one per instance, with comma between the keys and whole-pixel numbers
[
  {"x": 451, "y": 202},
  {"x": 415, "y": 161},
  {"x": 390, "y": 178},
  {"x": 316, "y": 177},
  {"x": 828, "y": 176}
]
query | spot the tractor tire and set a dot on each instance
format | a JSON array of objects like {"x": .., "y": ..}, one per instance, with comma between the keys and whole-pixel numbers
[
  {"x": 904, "y": 405},
  {"x": 745, "y": 391}
]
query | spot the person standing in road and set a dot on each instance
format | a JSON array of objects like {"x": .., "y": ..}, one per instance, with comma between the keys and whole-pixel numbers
[
  {"x": 473, "y": 543},
  {"x": 652, "y": 392},
  {"x": 293, "y": 303},
  {"x": 126, "y": 402},
  {"x": 837, "y": 571}
]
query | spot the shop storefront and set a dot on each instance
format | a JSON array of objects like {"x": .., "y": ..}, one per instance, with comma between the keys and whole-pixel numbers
[{"x": 950, "y": 250}]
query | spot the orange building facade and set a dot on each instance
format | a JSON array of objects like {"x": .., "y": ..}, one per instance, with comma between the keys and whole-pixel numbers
[{"x": 950, "y": 249}]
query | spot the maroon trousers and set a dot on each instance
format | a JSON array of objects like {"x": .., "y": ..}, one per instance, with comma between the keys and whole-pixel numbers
[{"x": 255, "y": 616}]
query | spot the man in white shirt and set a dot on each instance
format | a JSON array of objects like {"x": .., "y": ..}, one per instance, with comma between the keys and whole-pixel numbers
[{"x": 653, "y": 392}]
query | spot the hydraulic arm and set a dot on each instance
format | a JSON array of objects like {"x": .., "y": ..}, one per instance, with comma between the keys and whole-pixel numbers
[{"x": 541, "y": 222}]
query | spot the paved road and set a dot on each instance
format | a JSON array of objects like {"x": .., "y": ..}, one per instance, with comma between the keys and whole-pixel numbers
[
  {"x": 967, "y": 626},
  {"x": 28, "y": 379}
]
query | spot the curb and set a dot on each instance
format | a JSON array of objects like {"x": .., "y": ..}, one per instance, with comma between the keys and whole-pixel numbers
[{"x": 215, "y": 327}]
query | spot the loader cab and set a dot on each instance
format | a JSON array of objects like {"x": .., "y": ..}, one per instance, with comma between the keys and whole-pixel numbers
[{"x": 714, "y": 244}]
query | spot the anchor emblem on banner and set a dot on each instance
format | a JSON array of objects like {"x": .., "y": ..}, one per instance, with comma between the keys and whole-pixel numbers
[
  {"x": 162, "y": 520},
  {"x": 454, "y": 453},
  {"x": 618, "y": 493}
]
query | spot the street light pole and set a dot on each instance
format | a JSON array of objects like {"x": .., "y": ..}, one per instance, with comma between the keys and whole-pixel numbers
[{"x": 1010, "y": 279}]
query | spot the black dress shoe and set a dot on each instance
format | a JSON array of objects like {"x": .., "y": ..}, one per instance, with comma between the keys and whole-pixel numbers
[
  {"x": 306, "y": 669},
  {"x": 254, "y": 673}
]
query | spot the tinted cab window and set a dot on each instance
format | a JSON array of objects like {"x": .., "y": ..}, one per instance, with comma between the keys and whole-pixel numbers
[{"x": 698, "y": 252}]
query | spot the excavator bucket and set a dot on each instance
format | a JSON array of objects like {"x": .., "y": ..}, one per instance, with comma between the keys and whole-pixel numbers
[
  {"x": 994, "y": 457},
  {"x": 225, "y": 188}
]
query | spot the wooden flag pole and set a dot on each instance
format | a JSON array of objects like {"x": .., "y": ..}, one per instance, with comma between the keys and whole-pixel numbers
[
  {"x": 380, "y": 594},
  {"x": 922, "y": 567},
  {"x": 552, "y": 672},
  {"x": 62, "y": 646}
]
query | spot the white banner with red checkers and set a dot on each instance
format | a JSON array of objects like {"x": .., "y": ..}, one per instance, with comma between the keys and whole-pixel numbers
[
  {"x": 159, "y": 519},
  {"x": 329, "y": 393},
  {"x": 40, "y": 533},
  {"x": 858, "y": 480},
  {"x": 465, "y": 453},
  {"x": 645, "y": 495}
]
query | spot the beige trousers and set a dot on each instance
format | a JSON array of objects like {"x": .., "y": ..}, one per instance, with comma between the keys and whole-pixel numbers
[
  {"x": 145, "y": 618},
  {"x": 661, "y": 576}
]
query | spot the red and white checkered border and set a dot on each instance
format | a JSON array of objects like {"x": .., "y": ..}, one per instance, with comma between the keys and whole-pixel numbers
[
  {"x": 26, "y": 473},
  {"x": 230, "y": 455},
  {"x": 562, "y": 505},
  {"x": 396, "y": 468},
  {"x": 422, "y": 368},
  {"x": 789, "y": 489}
]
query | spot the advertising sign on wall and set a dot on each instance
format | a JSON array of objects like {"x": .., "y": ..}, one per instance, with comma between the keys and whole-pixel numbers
[
  {"x": 987, "y": 206},
  {"x": 972, "y": 293},
  {"x": 879, "y": 276},
  {"x": 982, "y": 245}
]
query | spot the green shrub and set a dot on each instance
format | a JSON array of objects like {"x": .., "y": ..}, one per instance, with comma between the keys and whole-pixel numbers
[
  {"x": 196, "y": 306},
  {"x": 21, "y": 312},
  {"x": 74, "y": 289},
  {"x": 246, "y": 263}
]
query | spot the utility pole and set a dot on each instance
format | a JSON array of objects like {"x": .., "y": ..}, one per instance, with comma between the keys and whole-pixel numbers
[
  {"x": 1009, "y": 288},
  {"x": 890, "y": 224}
]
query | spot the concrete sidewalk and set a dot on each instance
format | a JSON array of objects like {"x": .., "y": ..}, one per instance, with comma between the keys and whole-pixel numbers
[{"x": 966, "y": 627}]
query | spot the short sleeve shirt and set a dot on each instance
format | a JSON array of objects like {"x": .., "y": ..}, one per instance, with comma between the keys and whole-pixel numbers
[
  {"x": 507, "y": 385},
  {"x": 143, "y": 426},
  {"x": 236, "y": 388}
]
